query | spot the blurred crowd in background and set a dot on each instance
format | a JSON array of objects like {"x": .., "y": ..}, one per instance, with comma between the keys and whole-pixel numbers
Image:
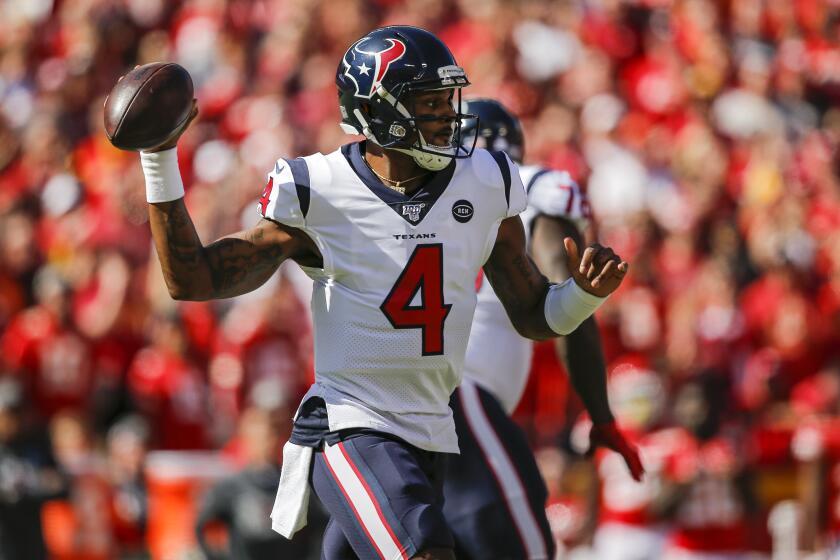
[{"x": 705, "y": 133}]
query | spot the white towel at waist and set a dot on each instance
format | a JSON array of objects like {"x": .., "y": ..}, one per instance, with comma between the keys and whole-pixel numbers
[{"x": 291, "y": 505}]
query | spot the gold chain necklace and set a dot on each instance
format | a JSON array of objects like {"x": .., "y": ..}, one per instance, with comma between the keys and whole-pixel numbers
[{"x": 392, "y": 184}]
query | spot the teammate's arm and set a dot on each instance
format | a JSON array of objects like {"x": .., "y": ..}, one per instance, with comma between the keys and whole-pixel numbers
[{"x": 524, "y": 291}]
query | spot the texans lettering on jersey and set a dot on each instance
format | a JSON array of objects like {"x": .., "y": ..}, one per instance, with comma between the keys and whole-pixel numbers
[
  {"x": 393, "y": 304},
  {"x": 498, "y": 358}
]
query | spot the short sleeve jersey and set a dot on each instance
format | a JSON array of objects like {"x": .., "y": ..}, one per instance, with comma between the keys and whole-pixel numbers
[{"x": 393, "y": 304}]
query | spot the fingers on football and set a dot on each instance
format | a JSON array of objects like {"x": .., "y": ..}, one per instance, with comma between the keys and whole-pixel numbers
[
  {"x": 193, "y": 115},
  {"x": 193, "y": 112}
]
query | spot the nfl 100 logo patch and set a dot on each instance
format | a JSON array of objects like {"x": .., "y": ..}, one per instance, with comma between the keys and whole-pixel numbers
[{"x": 412, "y": 211}]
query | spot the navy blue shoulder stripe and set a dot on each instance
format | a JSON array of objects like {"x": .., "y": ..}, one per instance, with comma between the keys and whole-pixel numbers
[
  {"x": 502, "y": 162},
  {"x": 534, "y": 179},
  {"x": 300, "y": 173}
]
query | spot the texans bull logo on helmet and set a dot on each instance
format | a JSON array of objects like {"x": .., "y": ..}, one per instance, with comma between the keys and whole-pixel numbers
[{"x": 368, "y": 67}]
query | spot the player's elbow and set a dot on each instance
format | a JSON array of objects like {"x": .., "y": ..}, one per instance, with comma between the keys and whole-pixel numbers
[
  {"x": 186, "y": 292},
  {"x": 183, "y": 296},
  {"x": 180, "y": 294},
  {"x": 532, "y": 329}
]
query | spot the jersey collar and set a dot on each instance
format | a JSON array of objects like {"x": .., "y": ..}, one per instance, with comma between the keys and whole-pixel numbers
[{"x": 411, "y": 208}]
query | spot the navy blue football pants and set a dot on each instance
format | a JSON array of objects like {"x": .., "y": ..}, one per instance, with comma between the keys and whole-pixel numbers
[
  {"x": 384, "y": 497},
  {"x": 495, "y": 496}
]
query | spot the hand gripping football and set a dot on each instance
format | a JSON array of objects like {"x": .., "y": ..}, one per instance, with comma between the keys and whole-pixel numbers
[{"x": 148, "y": 105}]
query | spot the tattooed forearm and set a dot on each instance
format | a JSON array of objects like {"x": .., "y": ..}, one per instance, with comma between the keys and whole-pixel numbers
[
  {"x": 231, "y": 266},
  {"x": 518, "y": 282},
  {"x": 181, "y": 239},
  {"x": 526, "y": 271}
]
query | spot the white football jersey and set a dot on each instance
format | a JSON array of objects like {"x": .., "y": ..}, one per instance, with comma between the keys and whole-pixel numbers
[
  {"x": 393, "y": 305},
  {"x": 498, "y": 358}
]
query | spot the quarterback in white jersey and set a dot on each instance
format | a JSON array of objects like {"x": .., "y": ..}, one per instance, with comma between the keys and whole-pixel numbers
[
  {"x": 495, "y": 497},
  {"x": 392, "y": 279},
  {"x": 393, "y": 230}
]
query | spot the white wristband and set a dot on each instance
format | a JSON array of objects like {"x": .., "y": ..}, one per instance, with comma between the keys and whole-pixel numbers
[
  {"x": 567, "y": 305},
  {"x": 163, "y": 177}
]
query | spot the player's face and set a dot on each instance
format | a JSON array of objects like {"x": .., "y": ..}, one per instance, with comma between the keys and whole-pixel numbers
[{"x": 435, "y": 114}]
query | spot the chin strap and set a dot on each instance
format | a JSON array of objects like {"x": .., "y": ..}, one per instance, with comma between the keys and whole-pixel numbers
[
  {"x": 431, "y": 157},
  {"x": 430, "y": 162}
]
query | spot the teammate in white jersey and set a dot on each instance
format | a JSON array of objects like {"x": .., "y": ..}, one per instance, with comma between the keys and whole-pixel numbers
[
  {"x": 495, "y": 497},
  {"x": 393, "y": 230}
]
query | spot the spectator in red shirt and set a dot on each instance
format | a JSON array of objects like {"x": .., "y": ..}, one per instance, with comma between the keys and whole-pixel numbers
[
  {"x": 46, "y": 351},
  {"x": 169, "y": 390}
]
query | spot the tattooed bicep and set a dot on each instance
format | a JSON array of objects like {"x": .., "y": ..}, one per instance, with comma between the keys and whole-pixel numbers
[
  {"x": 237, "y": 263},
  {"x": 245, "y": 260}
]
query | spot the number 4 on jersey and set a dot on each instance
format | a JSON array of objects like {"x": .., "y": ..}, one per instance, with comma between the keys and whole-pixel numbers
[{"x": 423, "y": 273}]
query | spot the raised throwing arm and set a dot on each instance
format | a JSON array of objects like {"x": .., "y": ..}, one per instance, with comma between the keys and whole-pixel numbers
[{"x": 231, "y": 266}]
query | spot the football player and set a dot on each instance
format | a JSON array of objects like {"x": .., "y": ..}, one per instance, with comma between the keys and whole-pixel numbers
[
  {"x": 495, "y": 497},
  {"x": 393, "y": 231}
]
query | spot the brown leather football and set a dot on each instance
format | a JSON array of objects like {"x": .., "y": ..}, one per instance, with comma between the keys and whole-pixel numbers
[{"x": 147, "y": 105}]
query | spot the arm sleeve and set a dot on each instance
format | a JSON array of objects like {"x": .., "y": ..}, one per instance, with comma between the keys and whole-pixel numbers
[{"x": 286, "y": 195}]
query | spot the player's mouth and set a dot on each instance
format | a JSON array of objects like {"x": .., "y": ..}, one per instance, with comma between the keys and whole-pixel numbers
[{"x": 442, "y": 137}]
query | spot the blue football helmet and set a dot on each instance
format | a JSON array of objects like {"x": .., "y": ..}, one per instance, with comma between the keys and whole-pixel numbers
[
  {"x": 494, "y": 128},
  {"x": 376, "y": 78}
]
